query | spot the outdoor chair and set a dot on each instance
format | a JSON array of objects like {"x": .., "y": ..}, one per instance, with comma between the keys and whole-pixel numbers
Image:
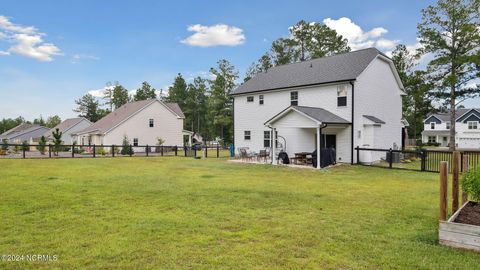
[{"x": 264, "y": 154}]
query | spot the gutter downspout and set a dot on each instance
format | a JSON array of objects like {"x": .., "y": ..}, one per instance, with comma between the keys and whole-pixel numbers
[{"x": 353, "y": 120}]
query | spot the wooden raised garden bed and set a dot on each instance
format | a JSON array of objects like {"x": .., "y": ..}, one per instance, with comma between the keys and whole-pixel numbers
[{"x": 462, "y": 229}]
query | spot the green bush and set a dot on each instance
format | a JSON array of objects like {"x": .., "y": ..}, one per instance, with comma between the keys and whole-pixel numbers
[
  {"x": 100, "y": 151},
  {"x": 471, "y": 184}
]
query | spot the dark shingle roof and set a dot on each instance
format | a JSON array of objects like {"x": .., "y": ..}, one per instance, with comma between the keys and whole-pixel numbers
[
  {"x": 445, "y": 116},
  {"x": 336, "y": 68},
  {"x": 374, "y": 119},
  {"x": 321, "y": 115}
]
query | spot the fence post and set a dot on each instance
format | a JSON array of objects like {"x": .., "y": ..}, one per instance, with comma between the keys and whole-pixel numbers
[
  {"x": 113, "y": 150},
  {"x": 49, "y": 150},
  {"x": 218, "y": 151},
  {"x": 94, "y": 150},
  {"x": 455, "y": 183},
  {"x": 390, "y": 160},
  {"x": 423, "y": 156},
  {"x": 73, "y": 150},
  {"x": 358, "y": 154},
  {"x": 131, "y": 150},
  {"x": 146, "y": 150},
  {"x": 176, "y": 150},
  {"x": 161, "y": 150},
  {"x": 194, "y": 152},
  {"x": 185, "y": 150},
  {"x": 465, "y": 162},
  {"x": 443, "y": 189},
  {"x": 23, "y": 150},
  {"x": 206, "y": 151}
]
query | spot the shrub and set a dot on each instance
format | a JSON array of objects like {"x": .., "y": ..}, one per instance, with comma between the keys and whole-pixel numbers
[
  {"x": 41, "y": 145},
  {"x": 100, "y": 151},
  {"x": 4, "y": 145},
  {"x": 471, "y": 184},
  {"x": 126, "y": 148}
]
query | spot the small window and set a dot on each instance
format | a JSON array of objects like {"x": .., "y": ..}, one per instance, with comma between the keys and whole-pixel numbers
[
  {"x": 250, "y": 99},
  {"x": 447, "y": 125},
  {"x": 246, "y": 135},
  {"x": 294, "y": 98},
  {"x": 260, "y": 99},
  {"x": 432, "y": 125},
  {"x": 266, "y": 138},
  {"x": 432, "y": 139},
  {"x": 135, "y": 141},
  {"x": 150, "y": 122},
  {"x": 472, "y": 124},
  {"x": 342, "y": 95}
]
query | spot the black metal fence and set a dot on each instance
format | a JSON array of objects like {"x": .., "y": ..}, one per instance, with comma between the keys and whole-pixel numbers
[
  {"x": 418, "y": 160},
  {"x": 93, "y": 151}
]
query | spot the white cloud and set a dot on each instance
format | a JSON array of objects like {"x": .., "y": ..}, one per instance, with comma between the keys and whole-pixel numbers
[
  {"x": 357, "y": 37},
  {"x": 76, "y": 58},
  {"x": 215, "y": 35},
  {"x": 26, "y": 41},
  {"x": 100, "y": 93}
]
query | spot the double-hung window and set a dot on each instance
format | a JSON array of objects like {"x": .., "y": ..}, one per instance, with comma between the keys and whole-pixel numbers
[
  {"x": 135, "y": 141},
  {"x": 447, "y": 125},
  {"x": 250, "y": 99},
  {"x": 342, "y": 95},
  {"x": 294, "y": 98},
  {"x": 260, "y": 99},
  {"x": 266, "y": 138},
  {"x": 432, "y": 139},
  {"x": 472, "y": 124},
  {"x": 247, "y": 135},
  {"x": 150, "y": 123},
  {"x": 432, "y": 125}
]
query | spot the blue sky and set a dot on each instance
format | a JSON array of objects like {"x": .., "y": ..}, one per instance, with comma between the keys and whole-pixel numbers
[{"x": 52, "y": 52}]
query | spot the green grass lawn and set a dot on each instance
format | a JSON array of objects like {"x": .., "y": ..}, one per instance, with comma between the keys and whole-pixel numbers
[{"x": 164, "y": 213}]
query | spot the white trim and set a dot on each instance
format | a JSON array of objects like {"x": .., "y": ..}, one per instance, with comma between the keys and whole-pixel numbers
[{"x": 281, "y": 114}]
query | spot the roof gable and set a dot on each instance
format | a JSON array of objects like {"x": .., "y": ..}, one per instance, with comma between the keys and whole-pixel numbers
[
  {"x": 331, "y": 69},
  {"x": 433, "y": 118},
  {"x": 468, "y": 114},
  {"x": 317, "y": 115}
]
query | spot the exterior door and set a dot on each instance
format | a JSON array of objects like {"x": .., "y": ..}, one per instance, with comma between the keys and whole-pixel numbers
[{"x": 327, "y": 141}]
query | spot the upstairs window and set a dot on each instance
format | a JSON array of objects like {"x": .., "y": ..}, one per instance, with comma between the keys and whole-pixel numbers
[
  {"x": 246, "y": 135},
  {"x": 447, "y": 125},
  {"x": 150, "y": 123},
  {"x": 342, "y": 95},
  {"x": 260, "y": 99},
  {"x": 135, "y": 141},
  {"x": 266, "y": 138},
  {"x": 294, "y": 98},
  {"x": 432, "y": 125},
  {"x": 472, "y": 124},
  {"x": 250, "y": 99}
]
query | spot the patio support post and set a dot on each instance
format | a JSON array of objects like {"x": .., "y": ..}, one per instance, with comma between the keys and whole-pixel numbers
[
  {"x": 274, "y": 147},
  {"x": 318, "y": 146}
]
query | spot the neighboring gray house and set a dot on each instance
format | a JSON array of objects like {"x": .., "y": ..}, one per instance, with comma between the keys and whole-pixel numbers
[
  {"x": 341, "y": 101},
  {"x": 23, "y": 132},
  {"x": 69, "y": 127},
  {"x": 467, "y": 127}
]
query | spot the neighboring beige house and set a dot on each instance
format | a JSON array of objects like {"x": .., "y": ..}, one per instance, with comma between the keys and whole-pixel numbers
[
  {"x": 69, "y": 127},
  {"x": 143, "y": 122}
]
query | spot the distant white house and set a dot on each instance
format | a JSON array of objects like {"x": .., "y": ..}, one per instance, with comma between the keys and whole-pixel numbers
[
  {"x": 341, "y": 101},
  {"x": 142, "y": 122},
  {"x": 23, "y": 132},
  {"x": 467, "y": 127},
  {"x": 68, "y": 127}
]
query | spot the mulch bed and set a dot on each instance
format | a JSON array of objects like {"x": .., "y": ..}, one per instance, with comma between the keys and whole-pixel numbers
[{"x": 470, "y": 214}]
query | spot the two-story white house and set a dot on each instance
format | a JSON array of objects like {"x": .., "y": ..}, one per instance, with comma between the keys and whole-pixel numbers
[
  {"x": 467, "y": 128},
  {"x": 142, "y": 122},
  {"x": 346, "y": 100}
]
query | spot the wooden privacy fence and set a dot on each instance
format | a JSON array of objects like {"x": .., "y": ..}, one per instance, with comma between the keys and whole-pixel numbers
[
  {"x": 423, "y": 160},
  {"x": 76, "y": 150}
]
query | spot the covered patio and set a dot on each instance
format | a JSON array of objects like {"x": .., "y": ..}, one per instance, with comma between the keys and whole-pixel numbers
[{"x": 301, "y": 130}]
